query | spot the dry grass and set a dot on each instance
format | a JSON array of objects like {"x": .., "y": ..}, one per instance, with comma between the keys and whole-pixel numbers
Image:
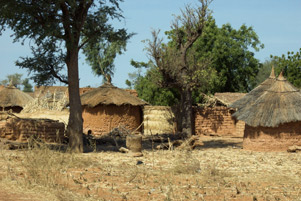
[{"x": 212, "y": 173}]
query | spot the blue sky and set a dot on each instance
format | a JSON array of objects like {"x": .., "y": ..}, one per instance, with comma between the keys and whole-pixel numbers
[{"x": 276, "y": 22}]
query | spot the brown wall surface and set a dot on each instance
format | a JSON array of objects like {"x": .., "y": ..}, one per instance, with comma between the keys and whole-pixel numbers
[
  {"x": 21, "y": 130},
  {"x": 272, "y": 139},
  {"x": 103, "y": 118},
  {"x": 217, "y": 121}
]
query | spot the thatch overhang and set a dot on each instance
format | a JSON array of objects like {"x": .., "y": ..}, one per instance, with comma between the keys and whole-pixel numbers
[
  {"x": 279, "y": 104},
  {"x": 108, "y": 94},
  {"x": 252, "y": 96},
  {"x": 10, "y": 96},
  {"x": 227, "y": 98}
]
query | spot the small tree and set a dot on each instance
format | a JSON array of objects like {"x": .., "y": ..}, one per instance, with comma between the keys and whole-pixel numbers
[{"x": 176, "y": 62}]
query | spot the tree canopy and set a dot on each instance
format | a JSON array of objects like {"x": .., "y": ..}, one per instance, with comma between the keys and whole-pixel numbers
[{"x": 232, "y": 65}]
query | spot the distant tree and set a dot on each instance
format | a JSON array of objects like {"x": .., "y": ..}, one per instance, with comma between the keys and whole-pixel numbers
[
  {"x": 58, "y": 30},
  {"x": 27, "y": 87},
  {"x": 290, "y": 64},
  {"x": 101, "y": 56},
  {"x": 14, "y": 79}
]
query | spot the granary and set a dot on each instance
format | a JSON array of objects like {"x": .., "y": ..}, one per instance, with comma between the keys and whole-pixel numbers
[
  {"x": 13, "y": 99},
  {"x": 215, "y": 117},
  {"x": 108, "y": 107},
  {"x": 273, "y": 121}
]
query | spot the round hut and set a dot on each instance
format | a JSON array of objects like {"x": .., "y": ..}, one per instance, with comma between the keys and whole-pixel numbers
[
  {"x": 108, "y": 107},
  {"x": 273, "y": 122},
  {"x": 13, "y": 99}
]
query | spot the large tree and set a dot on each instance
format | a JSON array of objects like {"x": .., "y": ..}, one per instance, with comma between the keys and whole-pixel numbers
[{"x": 59, "y": 29}]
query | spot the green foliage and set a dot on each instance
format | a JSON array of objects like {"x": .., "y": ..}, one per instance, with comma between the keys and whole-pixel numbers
[
  {"x": 290, "y": 64},
  {"x": 101, "y": 56},
  {"x": 149, "y": 90},
  {"x": 229, "y": 50},
  {"x": 264, "y": 72},
  {"x": 27, "y": 85}
]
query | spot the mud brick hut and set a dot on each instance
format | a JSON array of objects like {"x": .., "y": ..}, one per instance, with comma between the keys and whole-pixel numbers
[
  {"x": 215, "y": 117},
  {"x": 22, "y": 129},
  {"x": 108, "y": 107},
  {"x": 273, "y": 121},
  {"x": 13, "y": 99}
]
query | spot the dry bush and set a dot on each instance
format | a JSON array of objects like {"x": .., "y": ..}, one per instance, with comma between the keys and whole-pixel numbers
[{"x": 185, "y": 163}]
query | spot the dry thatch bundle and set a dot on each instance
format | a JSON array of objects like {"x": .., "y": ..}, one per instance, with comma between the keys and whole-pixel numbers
[
  {"x": 10, "y": 96},
  {"x": 279, "y": 104},
  {"x": 252, "y": 96},
  {"x": 108, "y": 94}
]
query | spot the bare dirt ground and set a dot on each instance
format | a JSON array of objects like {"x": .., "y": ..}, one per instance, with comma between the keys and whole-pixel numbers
[{"x": 217, "y": 170}]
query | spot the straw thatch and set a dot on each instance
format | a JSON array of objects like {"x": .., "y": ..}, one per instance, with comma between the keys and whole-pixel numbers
[
  {"x": 227, "y": 98},
  {"x": 108, "y": 94},
  {"x": 252, "y": 96},
  {"x": 279, "y": 104},
  {"x": 158, "y": 120},
  {"x": 10, "y": 96}
]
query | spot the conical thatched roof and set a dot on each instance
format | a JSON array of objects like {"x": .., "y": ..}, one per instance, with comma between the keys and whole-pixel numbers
[
  {"x": 251, "y": 97},
  {"x": 10, "y": 96},
  {"x": 108, "y": 94},
  {"x": 279, "y": 104}
]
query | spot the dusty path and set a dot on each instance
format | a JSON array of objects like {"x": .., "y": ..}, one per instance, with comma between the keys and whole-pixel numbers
[{"x": 9, "y": 195}]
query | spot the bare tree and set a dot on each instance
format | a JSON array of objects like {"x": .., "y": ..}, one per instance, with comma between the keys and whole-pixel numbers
[{"x": 176, "y": 61}]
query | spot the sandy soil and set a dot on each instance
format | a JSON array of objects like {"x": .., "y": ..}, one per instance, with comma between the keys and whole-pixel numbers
[{"x": 217, "y": 170}]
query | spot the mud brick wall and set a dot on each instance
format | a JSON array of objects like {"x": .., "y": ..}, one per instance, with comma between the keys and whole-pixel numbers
[
  {"x": 272, "y": 139},
  {"x": 217, "y": 121},
  {"x": 103, "y": 118},
  {"x": 21, "y": 130}
]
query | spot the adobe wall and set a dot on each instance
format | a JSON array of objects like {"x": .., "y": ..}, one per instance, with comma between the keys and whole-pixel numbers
[
  {"x": 217, "y": 121},
  {"x": 272, "y": 139},
  {"x": 21, "y": 130},
  {"x": 103, "y": 118}
]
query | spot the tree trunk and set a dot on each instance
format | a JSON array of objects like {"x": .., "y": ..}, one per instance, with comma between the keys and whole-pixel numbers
[
  {"x": 75, "y": 124},
  {"x": 186, "y": 112}
]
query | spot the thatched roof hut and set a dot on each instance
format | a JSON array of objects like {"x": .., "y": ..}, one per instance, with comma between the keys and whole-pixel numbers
[
  {"x": 108, "y": 107},
  {"x": 274, "y": 118},
  {"x": 279, "y": 104},
  {"x": 251, "y": 97},
  {"x": 13, "y": 99}
]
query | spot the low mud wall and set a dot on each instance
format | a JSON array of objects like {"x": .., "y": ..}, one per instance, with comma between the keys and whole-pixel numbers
[
  {"x": 21, "y": 129},
  {"x": 272, "y": 139}
]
